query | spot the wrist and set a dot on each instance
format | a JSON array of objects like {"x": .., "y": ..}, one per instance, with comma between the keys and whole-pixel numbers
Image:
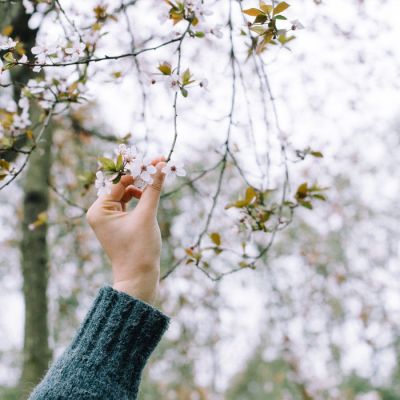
[{"x": 138, "y": 288}]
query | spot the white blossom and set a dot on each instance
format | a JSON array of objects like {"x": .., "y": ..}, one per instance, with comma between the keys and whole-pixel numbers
[
  {"x": 128, "y": 154},
  {"x": 204, "y": 83},
  {"x": 41, "y": 53},
  {"x": 7, "y": 43},
  {"x": 174, "y": 169},
  {"x": 139, "y": 183},
  {"x": 173, "y": 81},
  {"x": 143, "y": 169},
  {"x": 29, "y": 9},
  {"x": 102, "y": 184},
  {"x": 163, "y": 16},
  {"x": 2, "y": 73},
  {"x": 90, "y": 37},
  {"x": 75, "y": 51},
  {"x": 296, "y": 25},
  {"x": 197, "y": 7},
  {"x": 21, "y": 121},
  {"x": 36, "y": 87},
  {"x": 216, "y": 31},
  {"x": 23, "y": 59}
]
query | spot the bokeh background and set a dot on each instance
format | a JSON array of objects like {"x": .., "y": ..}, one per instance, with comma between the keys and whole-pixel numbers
[{"x": 318, "y": 316}]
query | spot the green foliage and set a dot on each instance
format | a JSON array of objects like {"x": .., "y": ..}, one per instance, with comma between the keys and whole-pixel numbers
[
  {"x": 265, "y": 25},
  {"x": 9, "y": 393}
]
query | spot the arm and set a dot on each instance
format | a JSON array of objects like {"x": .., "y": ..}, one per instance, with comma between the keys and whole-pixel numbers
[{"x": 109, "y": 351}]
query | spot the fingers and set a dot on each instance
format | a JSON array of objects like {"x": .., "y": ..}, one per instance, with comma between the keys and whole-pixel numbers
[
  {"x": 131, "y": 192},
  {"x": 109, "y": 201},
  {"x": 151, "y": 195},
  {"x": 118, "y": 190}
]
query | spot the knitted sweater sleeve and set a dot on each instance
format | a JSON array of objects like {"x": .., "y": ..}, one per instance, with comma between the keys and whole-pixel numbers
[{"x": 108, "y": 353}]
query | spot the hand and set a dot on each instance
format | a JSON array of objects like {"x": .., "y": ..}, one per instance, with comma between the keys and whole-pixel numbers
[{"x": 131, "y": 240}]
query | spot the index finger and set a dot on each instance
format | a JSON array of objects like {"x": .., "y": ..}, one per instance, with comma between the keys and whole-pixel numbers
[{"x": 118, "y": 189}]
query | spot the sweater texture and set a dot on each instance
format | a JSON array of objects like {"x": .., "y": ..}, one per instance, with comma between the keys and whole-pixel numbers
[{"x": 108, "y": 353}]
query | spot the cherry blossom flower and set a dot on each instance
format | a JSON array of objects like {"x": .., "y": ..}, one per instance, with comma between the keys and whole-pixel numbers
[
  {"x": 2, "y": 73},
  {"x": 75, "y": 51},
  {"x": 21, "y": 121},
  {"x": 36, "y": 87},
  {"x": 174, "y": 169},
  {"x": 163, "y": 16},
  {"x": 143, "y": 169},
  {"x": 173, "y": 81},
  {"x": 204, "y": 83},
  {"x": 128, "y": 154},
  {"x": 216, "y": 31},
  {"x": 197, "y": 6},
  {"x": 23, "y": 59},
  {"x": 296, "y": 25},
  {"x": 90, "y": 37},
  {"x": 29, "y": 9},
  {"x": 41, "y": 53},
  {"x": 139, "y": 183},
  {"x": 7, "y": 43},
  {"x": 102, "y": 184}
]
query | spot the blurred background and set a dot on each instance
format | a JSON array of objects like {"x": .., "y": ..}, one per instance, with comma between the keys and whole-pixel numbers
[{"x": 287, "y": 296}]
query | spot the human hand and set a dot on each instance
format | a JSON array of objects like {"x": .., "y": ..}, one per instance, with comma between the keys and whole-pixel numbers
[{"x": 131, "y": 240}]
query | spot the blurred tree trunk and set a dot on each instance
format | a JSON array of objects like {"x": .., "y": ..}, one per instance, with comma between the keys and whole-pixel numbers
[{"x": 34, "y": 249}]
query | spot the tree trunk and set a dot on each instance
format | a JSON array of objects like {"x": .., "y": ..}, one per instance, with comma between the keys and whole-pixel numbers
[
  {"x": 35, "y": 266},
  {"x": 34, "y": 250}
]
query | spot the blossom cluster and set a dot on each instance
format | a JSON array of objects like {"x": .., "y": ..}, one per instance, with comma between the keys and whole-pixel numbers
[
  {"x": 58, "y": 52},
  {"x": 193, "y": 11},
  {"x": 131, "y": 162},
  {"x": 176, "y": 82},
  {"x": 47, "y": 93},
  {"x": 266, "y": 25},
  {"x": 14, "y": 118}
]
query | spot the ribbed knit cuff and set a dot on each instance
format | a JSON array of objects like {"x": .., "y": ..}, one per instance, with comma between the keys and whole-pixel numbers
[{"x": 118, "y": 335}]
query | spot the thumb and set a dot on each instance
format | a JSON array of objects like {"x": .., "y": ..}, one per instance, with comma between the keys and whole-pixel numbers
[{"x": 151, "y": 196}]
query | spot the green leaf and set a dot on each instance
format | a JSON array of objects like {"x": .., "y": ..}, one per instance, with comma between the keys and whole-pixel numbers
[
  {"x": 107, "y": 164},
  {"x": 4, "y": 164},
  {"x": 316, "y": 154},
  {"x": 116, "y": 179},
  {"x": 261, "y": 19},
  {"x": 280, "y": 17},
  {"x": 265, "y": 7},
  {"x": 9, "y": 57},
  {"x": 306, "y": 204},
  {"x": 283, "y": 39},
  {"x": 184, "y": 92},
  {"x": 119, "y": 162},
  {"x": 165, "y": 68},
  {"x": 249, "y": 196},
  {"x": 319, "y": 197},
  {"x": 302, "y": 191},
  {"x": 281, "y": 7},
  {"x": 199, "y": 34},
  {"x": 216, "y": 238},
  {"x": 258, "y": 29},
  {"x": 186, "y": 77},
  {"x": 253, "y": 12}
]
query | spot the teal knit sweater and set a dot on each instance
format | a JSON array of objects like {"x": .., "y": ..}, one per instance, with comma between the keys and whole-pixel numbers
[{"x": 108, "y": 353}]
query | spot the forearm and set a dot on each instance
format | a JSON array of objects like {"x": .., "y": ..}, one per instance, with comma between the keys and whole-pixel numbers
[{"x": 107, "y": 355}]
